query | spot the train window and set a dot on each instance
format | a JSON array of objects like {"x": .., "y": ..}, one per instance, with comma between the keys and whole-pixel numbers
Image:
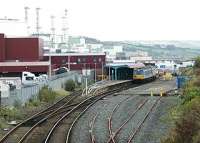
[
  {"x": 139, "y": 71},
  {"x": 100, "y": 59}
]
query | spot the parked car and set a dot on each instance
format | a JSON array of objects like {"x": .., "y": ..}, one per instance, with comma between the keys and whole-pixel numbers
[{"x": 61, "y": 70}]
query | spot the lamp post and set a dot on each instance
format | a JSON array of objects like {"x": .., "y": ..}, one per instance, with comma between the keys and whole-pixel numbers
[
  {"x": 102, "y": 71},
  {"x": 109, "y": 72},
  {"x": 86, "y": 82},
  {"x": 68, "y": 62},
  {"x": 95, "y": 72},
  {"x": 49, "y": 65}
]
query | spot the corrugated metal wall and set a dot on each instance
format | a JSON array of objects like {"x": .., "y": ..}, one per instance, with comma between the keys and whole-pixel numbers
[
  {"x": 23, "y": 49},
  {"x": 2, "y": 48},
  {"x": 25, "y": 93},
  {"x": 19, "y": 69},
  {"x": 78, "y": 62}
]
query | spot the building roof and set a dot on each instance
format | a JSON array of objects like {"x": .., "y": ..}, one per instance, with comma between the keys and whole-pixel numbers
[
  {"x": 74, "y": 54},
  {"x": 6, "y": 64},
  {"x": 130, "y": 65},
  {"x": 116, "y": 65}
]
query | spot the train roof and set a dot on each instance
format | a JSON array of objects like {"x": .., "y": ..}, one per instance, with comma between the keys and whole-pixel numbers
[
  {"x": 129, "y": 65},
  {"x": 136, "y": 65}
]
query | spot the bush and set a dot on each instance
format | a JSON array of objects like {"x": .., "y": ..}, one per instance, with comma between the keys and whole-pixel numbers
[
  {"x": 187, "y": 117},
  {"x": 3, "y": 123},
  {"x": 32, "y": 103},
  {"x": 46, "y": 94},
  {"x": 10, "y": 113},
  {"x": 187, "y": 126},
  {"x": 190, "y": 93},
  {"x": 197, "y": 62},
  {"x": 70, "y": 85}
]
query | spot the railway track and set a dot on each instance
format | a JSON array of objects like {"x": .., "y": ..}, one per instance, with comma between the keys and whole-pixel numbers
[
  {"x": 92, "y": 135},
  {"x": 56, "y": 132},
  {"x": 111, "y": 116},
  {"x": 19, "y": 132},
  {"x": 43, "y": 126},
  {"x": 114, "y": 133},
  {"x": 93, "y": 121},
  {"x": 135, "y": 131},
  {"x": 113, "y": 126}
]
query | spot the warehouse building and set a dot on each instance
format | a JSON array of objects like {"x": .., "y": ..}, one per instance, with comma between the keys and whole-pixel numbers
[{"x": 26, "y": 54}]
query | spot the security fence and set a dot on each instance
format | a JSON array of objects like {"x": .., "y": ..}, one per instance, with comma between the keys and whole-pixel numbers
[{"x": 25, "y": 93}]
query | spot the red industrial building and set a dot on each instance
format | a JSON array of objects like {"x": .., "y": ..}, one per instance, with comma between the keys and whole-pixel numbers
[
  {"x": 77, "y": 61},
  {"x": 26, "y": 54}
]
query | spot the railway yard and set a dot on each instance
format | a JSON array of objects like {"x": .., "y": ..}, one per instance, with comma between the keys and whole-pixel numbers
[
  {"x": 126, "y": 117},
  {"x": 118, "y": 112},
  {"x": 62, "y": 81}
]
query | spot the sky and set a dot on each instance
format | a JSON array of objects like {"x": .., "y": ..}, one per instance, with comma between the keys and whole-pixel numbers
[{"x": 110, "y": 19}]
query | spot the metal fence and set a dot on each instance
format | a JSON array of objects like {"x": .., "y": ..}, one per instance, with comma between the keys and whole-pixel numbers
[{"x": 27, "y": 92}]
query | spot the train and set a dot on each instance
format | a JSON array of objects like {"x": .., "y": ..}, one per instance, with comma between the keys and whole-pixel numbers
[{"x": 145, "y": 73}]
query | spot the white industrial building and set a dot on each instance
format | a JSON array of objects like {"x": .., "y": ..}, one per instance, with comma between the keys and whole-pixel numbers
[
  {"x": 111, "y": 51},
  {"x": 140, "y": 56}
]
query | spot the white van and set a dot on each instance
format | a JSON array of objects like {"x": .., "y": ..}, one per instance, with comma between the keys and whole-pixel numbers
[{"x": 28, "y": 78}]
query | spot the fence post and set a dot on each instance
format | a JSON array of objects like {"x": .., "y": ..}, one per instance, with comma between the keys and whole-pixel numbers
[{"x": 0, "y": 100}]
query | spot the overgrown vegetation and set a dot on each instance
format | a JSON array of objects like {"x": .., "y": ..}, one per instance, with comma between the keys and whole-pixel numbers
[
  {"x": 46, "y": 94},
  {"x": 187, "y": 115},
  {"x": 10, "y": 113},
  {"x": 70, "y": 85},
  {"x": 32, "y": 103},
  {"x": 197, "y": 62}
]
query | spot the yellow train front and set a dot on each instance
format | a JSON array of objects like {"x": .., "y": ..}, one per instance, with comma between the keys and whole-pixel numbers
[{"x": 144, "y": 73}]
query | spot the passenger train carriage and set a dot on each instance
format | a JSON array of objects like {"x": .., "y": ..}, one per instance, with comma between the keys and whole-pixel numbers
[{"x": 145, "y": 73}]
